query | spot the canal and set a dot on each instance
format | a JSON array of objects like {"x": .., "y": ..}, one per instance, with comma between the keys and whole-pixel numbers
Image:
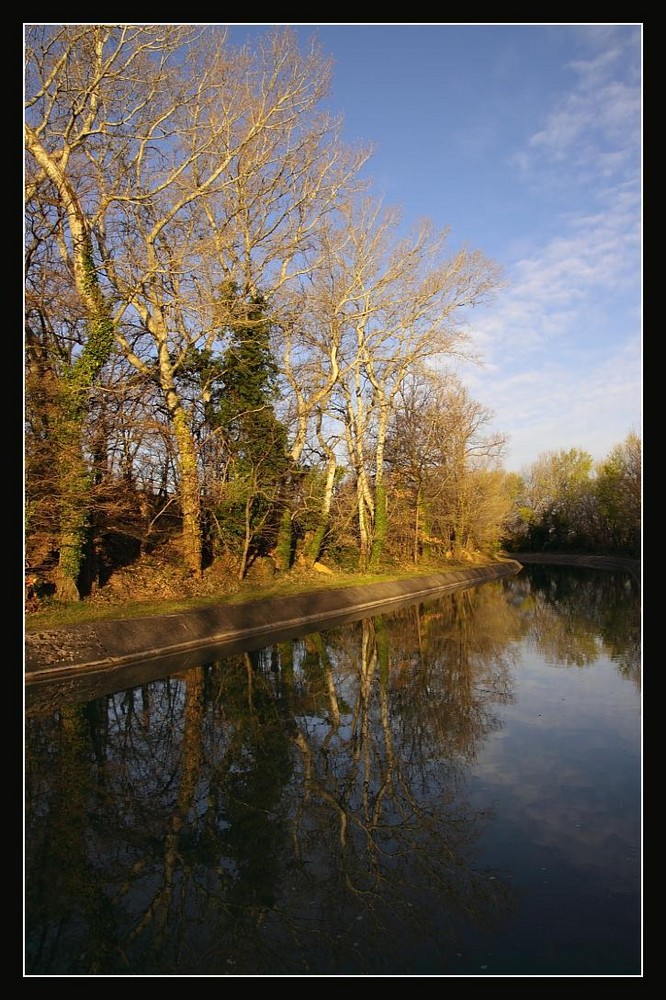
[{"x": 452, "y": 788}]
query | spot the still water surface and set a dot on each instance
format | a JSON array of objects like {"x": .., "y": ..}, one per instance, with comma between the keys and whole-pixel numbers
[{"x": 449, "y": 789}]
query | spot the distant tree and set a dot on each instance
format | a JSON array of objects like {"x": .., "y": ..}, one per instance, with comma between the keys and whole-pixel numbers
[
  {"x": 557, "y": 501},
  {"x": 618, "y": 493},
  {"x": 446, "y": 467},
  {"x": 567, "y": 503}
]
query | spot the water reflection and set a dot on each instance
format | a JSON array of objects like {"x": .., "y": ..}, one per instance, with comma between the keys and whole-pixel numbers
[
  {"x": 572, "y": 615},
  {"x": 301, "y": 809}
]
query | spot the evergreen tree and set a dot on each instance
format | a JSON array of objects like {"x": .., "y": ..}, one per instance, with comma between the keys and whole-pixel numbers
[{"x": 243, "y": 409}]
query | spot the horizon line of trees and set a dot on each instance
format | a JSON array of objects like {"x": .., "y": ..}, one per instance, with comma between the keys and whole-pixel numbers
[
  {"x": 565, "y": 502},
  {"x": 227, "y": 336}
]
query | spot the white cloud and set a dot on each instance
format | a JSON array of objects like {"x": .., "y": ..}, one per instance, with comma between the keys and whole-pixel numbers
[
  {"x": 558, "y": 405},
  {"x": 563, "y": 293},
  {"x": 598, "y": 122}
]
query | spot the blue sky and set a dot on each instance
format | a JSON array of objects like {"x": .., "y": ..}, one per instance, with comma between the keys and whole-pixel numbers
[{"x": 526, "y": 141}]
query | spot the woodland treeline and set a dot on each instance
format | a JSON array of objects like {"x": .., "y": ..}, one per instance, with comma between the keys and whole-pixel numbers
[{"x": 230, "y": 341}]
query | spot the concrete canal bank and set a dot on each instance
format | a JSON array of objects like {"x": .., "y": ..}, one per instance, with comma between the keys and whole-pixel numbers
[
  {"x": 99, "y": 647},
  {"x": 632, "y": 566}
]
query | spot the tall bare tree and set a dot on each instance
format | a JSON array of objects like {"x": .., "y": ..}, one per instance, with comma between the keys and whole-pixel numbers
[
  {"x": 389, "y": 304},
  {"x": 85, "y": 93}
]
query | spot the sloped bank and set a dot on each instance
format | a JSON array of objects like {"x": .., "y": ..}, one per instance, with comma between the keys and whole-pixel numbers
[
  {"x": 632, "y": 566},
  {"x": 99, "y": 647}
]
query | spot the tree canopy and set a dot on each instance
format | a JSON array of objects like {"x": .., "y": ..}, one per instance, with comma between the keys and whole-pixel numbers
[{"x": 230, "y": 341}]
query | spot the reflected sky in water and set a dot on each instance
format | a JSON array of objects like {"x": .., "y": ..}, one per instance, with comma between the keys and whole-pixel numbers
[{"x": 452, "y": 789}]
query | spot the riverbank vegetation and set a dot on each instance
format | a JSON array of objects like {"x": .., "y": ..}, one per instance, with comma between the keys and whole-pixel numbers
[
  {"x": 239, "y": 364},
  {"x": 565, "y": 502}
]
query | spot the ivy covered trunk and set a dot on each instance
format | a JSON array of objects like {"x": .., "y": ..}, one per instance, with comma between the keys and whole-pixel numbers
[
  {"x": 316, "y": 545},
  {"x": 74, "y": 473},
  {"x": 78, "y": 380},
  {"x": 381, "y": 525},
  {"x": 74, "y": 483},
  {"x": 283, "y": 545},
  {"x": 418, "y": 520},
  {"x": 190, "y": 494},
  {"x": 244, "y": 407}
]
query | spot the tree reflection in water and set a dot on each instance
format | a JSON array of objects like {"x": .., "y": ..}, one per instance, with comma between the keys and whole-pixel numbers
[
  {"x": 573, "y": 614},
  {"x": 296, "y": 810}
]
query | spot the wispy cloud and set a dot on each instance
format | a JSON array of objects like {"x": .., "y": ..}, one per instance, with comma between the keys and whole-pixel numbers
[
  {"x": 597, "y": 123},
  {"x": 557, "y": 290},
  {"x": 587, "y": 406}
]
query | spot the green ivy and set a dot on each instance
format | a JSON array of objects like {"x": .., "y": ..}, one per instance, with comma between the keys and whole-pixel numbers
[
  {"x": 381, "y": 526},
  {"x": 284, "y": 540},
  {"x": 98, "y": 347},
  {"x": 75, "y": 477}
]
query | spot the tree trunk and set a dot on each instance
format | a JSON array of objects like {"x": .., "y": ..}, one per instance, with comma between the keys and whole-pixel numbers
[
  {"x": 190, "y": 497},
  {"x": 381, "y": 525},
  {"x": 381, "y": 506},
  {"x": 284, "y": 541},
  {"x": 364, "y": 527},
  {"x": 417, "y": 525},
  {"x": 316, "y": 545},
  {"x": 74, "y": 487},
  {"x": 74, "y": 476},
  {"x": 242, "y": 569}
]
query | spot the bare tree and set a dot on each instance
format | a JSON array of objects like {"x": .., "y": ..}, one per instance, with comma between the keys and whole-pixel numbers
[
  {"x": 184, "y": 166},
  {"x": 85, "y": 93},
  {"x": 387, "y": 305},
  {"x": 447, "y": 465}
]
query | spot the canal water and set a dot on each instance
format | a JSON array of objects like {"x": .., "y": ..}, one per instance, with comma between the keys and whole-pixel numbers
[{"x": 453, "y": 788}]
